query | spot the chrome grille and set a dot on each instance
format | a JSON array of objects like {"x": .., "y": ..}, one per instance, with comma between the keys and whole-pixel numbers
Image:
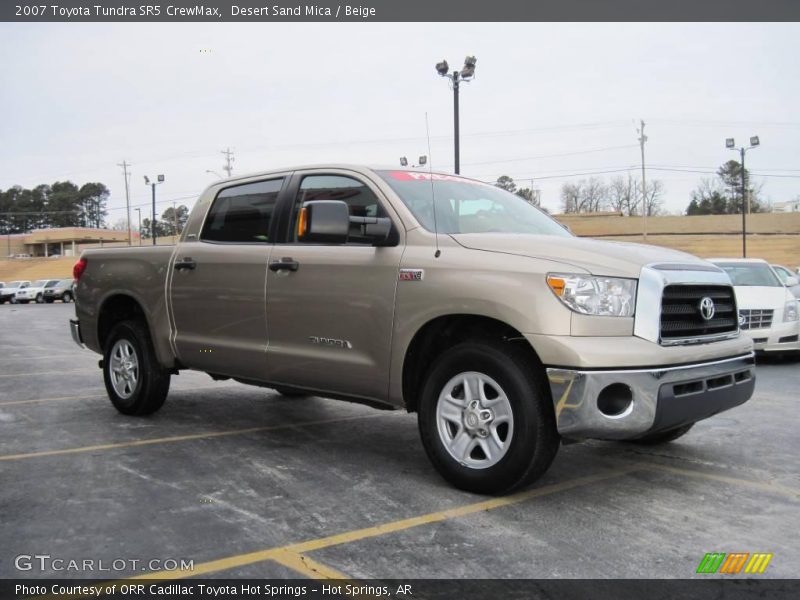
[
  {"x": 755, "y": 318},
  {"x": 681, "y": 316}
]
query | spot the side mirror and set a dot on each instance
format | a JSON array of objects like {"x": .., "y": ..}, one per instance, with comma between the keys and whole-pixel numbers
[
  {"x": 791, "y": 281},
  {"x": 324, "y": 221},
  {"x": 329, "y": 222}
]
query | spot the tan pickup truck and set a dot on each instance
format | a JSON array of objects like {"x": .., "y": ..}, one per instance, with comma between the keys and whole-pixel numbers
[{"x": 442, "y": 295}]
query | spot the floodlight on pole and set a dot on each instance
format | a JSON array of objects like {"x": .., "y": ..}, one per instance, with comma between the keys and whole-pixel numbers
[
  {"x": 467, "y": 73},
  {"x": 423, "y": 160},
  {"x": 160, "y": 179},
  {"x": 403, "y": 161},
  {"x": 731, "y": 145}
]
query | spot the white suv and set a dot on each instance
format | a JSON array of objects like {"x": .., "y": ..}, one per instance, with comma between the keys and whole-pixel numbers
[
  {"x": 34, "y": 292},
  {"x": 768, "y": 311}
]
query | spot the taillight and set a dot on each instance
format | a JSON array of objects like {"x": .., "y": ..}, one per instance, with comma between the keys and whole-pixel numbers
[{"x": 78, "y": 269}]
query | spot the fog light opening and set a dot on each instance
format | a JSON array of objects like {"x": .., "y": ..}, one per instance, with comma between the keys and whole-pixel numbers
[{"x": 615, "y": 401}]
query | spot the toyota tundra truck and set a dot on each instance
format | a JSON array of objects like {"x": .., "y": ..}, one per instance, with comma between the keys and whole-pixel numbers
[{"x": 422, "y": 291}]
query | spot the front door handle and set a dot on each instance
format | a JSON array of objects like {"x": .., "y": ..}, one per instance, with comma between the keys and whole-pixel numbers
[
  {"x": 186, "y": 263},
  {"x": 284, "y": 264}
]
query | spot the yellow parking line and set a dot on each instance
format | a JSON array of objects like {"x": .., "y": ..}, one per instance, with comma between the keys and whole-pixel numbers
[
  {"x": 304, "y": 565},
  {"x": 250, "y": 558},
  {"x": 180, "y": 438},
  {"x": 758, "y": 485}
]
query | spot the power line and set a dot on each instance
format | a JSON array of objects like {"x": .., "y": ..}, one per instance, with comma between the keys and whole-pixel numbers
[{"x": 562, "y": 154}]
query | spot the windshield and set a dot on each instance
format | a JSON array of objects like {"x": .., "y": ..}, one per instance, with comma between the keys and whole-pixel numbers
[
  {"x": 783, "y": 273},
  {"x": 51, "y": 284},
  {"x": 15, "y": 284},
  {"x": 750, "y": 274},
  {"x": 467, "y": 206},
  {"x": 40, "y": 283}
]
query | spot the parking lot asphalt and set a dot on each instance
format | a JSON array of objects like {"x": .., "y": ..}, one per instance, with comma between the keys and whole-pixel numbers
[{"x": 247, "y": 483}]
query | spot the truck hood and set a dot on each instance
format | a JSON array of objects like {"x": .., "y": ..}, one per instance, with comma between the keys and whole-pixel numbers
[{"x": 619, "y": 259}]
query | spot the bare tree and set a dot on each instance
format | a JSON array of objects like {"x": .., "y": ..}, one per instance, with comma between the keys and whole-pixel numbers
[
  {"x": 570, "y": 197},
  {"x": 593, "y": 195},
  {"x": 654, "y": 197},
  {"x": 624, "y": 195}
]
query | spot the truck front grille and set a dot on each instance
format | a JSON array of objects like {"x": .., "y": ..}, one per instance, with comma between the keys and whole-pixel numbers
[
  {"x": 755, "y": 318},
  {"x": 681, "y": 316}
]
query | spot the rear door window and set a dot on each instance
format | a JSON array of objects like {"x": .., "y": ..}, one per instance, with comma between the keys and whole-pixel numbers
[{"x": 243, "y": 213}]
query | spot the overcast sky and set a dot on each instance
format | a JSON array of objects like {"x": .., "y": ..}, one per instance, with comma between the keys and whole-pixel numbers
[{"x": 549, "y": 101}]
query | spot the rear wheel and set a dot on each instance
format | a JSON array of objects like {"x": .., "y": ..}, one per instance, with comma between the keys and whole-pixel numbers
[
  {"x": 486, "y": 419},
  {"x": 135, "y": 382},
  {"x": 67, "y": 297},
  {"x": 663, "y": 437}
]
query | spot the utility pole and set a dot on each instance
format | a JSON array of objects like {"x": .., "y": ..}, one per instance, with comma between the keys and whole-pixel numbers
[
  {"x": 228, "y": 166},
  {"x": 175, "y": 219},
  {"x": 125, "y": 166},
  {"x": 139, "y": 210},
  {"x": 642, "y": 140}
]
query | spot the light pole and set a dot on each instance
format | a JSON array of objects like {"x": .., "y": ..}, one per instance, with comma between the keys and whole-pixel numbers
[
  {"x": 139, "y": 210},
  {"x": 730, "y": 144},
  {"x": 467, "y": 72},
  {"x": 214, "y": 173},
  {"x": 153, "y": 221}
]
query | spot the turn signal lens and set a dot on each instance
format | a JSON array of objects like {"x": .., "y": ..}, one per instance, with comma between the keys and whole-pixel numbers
[
  {"x": 302, "y": 223},
  {"x": 556, "y": 284}
]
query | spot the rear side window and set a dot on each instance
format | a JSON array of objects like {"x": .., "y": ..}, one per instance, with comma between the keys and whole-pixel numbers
[{"x": 242, "y": 213}]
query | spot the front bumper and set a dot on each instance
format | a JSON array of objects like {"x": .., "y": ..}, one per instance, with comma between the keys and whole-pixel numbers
[
  {"x": 75, "y": 330},
  {"x": 781, "y": 337},
  {"x": 626, "y": 404}
]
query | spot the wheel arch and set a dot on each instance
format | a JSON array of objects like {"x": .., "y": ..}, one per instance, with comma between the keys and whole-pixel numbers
[
  {"x": 441, "y": 333},
  {"x": 119, "y": 307}
]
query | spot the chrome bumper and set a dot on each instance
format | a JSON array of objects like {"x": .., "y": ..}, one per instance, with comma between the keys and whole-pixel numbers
[
  {"x": 626, "y": 404},
  {"x": 75, "y": 330}
]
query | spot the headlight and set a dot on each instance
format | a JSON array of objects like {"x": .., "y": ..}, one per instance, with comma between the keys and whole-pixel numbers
[
  {"x": 600, "y": 296},
  {"x": 790, "y": 311}
]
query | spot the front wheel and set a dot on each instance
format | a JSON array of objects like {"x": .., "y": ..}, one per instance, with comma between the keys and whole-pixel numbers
[
  {"x": 135, "y": 382},
  {"x": 67, "y": 297},
  {"x": 486, "y": 418},
  {"x": 39, "y": 298}
]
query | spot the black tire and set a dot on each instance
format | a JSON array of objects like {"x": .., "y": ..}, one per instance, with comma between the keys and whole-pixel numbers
[
  {"x": 67, "y": 297},
  {"x": 152, "y": 380},
  {"x": 290, "y": 393},
  {"x": 39, "y": 298},
  {"x": 534, "y": 441},
  {"x": 663, "y": 437}
]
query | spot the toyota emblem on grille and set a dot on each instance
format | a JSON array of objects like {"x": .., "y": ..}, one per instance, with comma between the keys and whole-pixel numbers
[{"x": 707, "y": 308}]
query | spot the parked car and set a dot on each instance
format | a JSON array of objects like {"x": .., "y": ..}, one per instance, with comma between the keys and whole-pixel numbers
[
  {"x": 768, "y": 311},
  {"x": 789, "y": 279},
  {"x": 430, "y": 292},
  {"x": 32, "y": 293},
  {"x": 9, "y": 292},
  {"x": 60, "y": 289}
]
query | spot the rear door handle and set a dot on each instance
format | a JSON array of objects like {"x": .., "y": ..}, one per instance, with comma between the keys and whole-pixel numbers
[
  {"x": 284, "y": 264},
  {"x": 186, "y": 263}
]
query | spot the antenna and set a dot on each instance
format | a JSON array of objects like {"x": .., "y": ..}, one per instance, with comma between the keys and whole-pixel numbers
[{"x": 433, "y": 192}]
